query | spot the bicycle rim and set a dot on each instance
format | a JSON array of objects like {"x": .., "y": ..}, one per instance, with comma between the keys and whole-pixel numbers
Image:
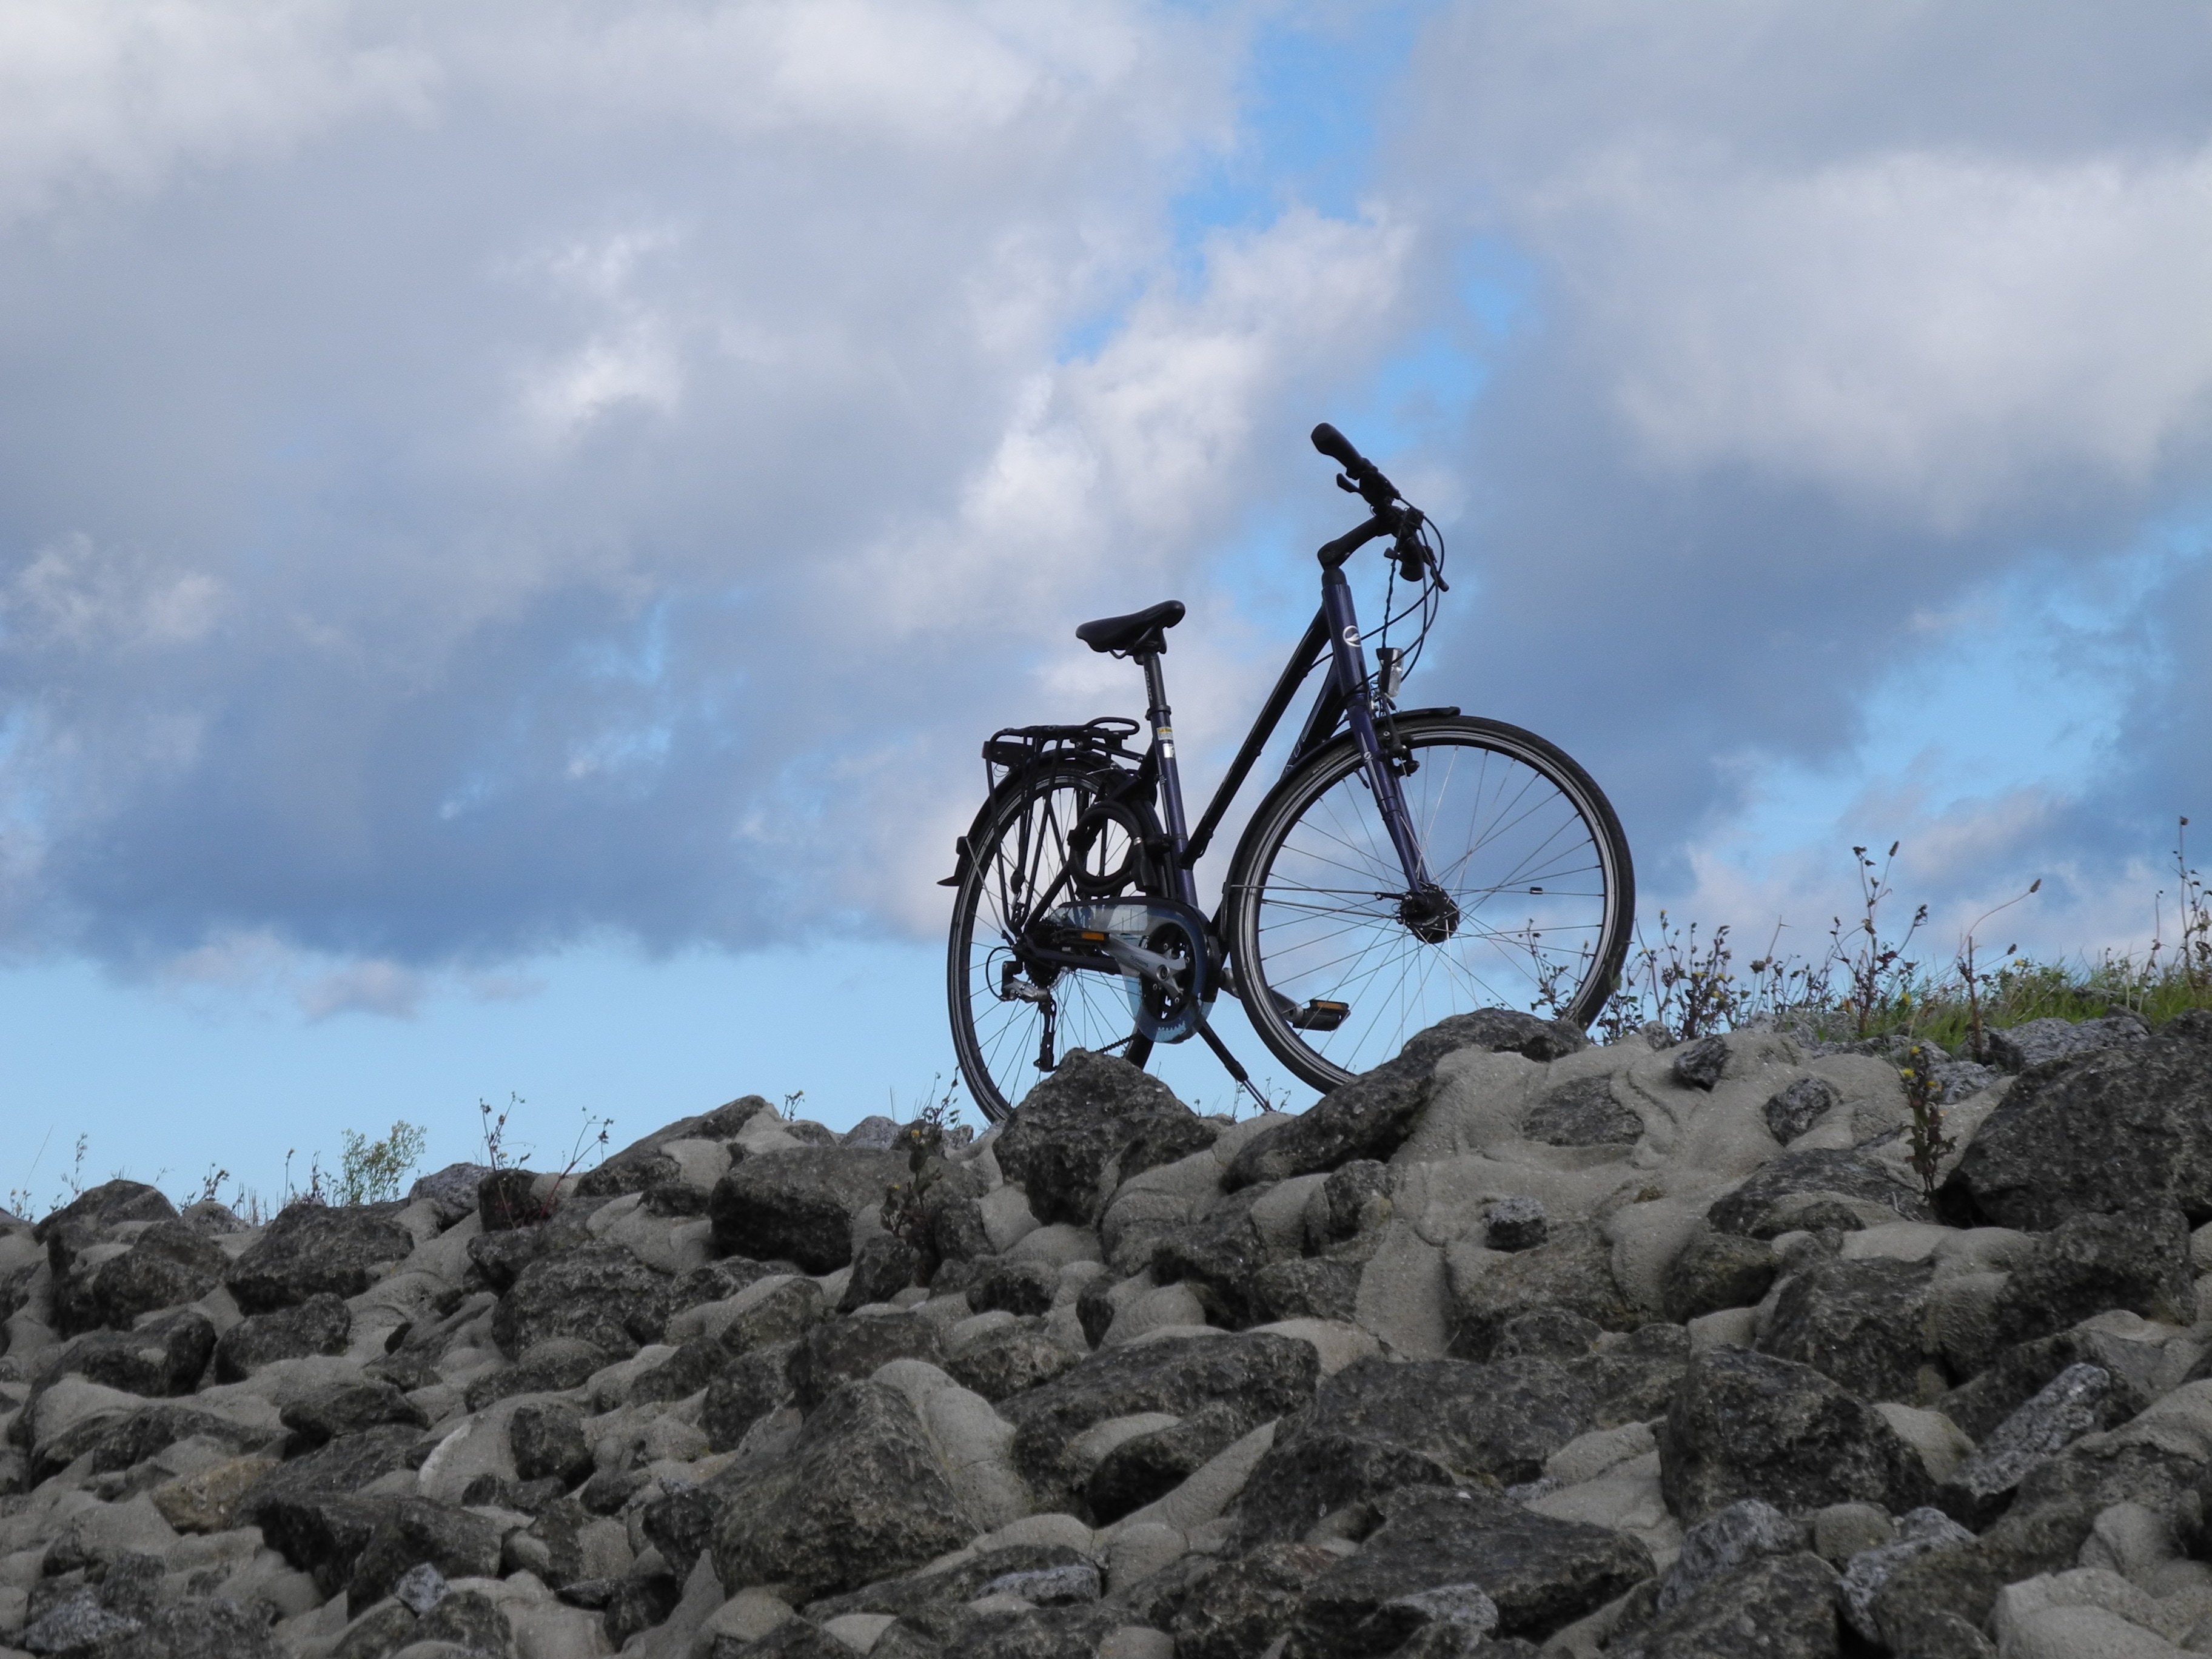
[
  {"x": 1516, "y": 834},
  {"x": 1015, "y": 860}
]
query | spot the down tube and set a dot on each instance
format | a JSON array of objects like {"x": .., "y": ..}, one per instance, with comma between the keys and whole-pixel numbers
[{"x": 1350, "y": 670}]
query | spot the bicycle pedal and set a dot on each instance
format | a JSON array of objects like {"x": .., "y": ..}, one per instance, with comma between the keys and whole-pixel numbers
[{"x": 1319, "y": 1015}]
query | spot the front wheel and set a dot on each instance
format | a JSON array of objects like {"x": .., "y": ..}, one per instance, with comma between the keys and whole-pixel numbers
[{"x": 1532, "y": 900}]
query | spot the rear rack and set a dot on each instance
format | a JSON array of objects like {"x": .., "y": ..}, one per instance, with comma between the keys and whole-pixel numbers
[{"x": 1015, "y": 748}]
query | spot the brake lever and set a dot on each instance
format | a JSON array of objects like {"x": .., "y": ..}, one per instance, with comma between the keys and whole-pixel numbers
[{"x": 1347, "y": 485}]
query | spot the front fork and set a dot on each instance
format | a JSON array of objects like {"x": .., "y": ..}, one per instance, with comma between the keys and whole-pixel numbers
[{"x": 1350, "y": 667}]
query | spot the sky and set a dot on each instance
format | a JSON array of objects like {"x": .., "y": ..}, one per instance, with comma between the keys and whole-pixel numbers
[{"x": 515, "y": 518}]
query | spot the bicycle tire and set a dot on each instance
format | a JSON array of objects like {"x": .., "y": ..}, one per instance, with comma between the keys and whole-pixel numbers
[
  {"x": 1019, "y": 838},
  {"x": 1534, "y": 820}
]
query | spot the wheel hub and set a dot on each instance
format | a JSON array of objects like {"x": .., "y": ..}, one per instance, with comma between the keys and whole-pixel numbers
[{"x": 1429, "y": 914}]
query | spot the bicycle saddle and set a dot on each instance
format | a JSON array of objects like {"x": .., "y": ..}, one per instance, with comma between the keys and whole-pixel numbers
[{"x": 1138, "y": 632}]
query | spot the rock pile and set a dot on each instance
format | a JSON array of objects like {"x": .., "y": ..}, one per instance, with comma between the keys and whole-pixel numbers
[{"x": 1513, "y": 1346}]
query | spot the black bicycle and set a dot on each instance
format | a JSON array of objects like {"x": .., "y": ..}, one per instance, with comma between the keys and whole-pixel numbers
[{"x": 1409, "y": 864}]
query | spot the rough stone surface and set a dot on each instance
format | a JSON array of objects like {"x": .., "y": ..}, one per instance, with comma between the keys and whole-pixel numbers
[
  {"x": 1790, "y": 1112},
  {"x": 164, "y": 1356},
  {"x": 1091, "y": 1124},
  {"x": 1699, "y": 1064},
  {"x": 1918, "y": 1533},
  {"x": 1782, "y": 1606},
  {"x": 315, "y": 1249},
  {"x": 839, "y": 1351},
  {"x": 748, "y": 1388},
  {"x": 321, "y": 1324},
  {"x": 1761, "y": 1207},
  {"x": 1857, "y": 1322},
  {"x": 1748, "y": 1530},
  {"x": 1235, "y": 1608},
  {"x": 2120, "y": 1127},
  {"x": 1584, "y": 1113},
  {"x": 797, "y": 1204},
  {"x": 1516, "y": 1224},
  {"x": 1745, "y": 1425},
  {"x": 597, "y": 1293},
  {"x": 1714, "y": 1271},
  {"x": 2081, "y": 1400},
  {"x": 2137, "y": 1259},
  {"x": 1010, "y": 1361},
  {"x": 169, "y": 1262},
  {"x": 1573, "y": 1269},
  {"x": 2037, "y": 1042}
]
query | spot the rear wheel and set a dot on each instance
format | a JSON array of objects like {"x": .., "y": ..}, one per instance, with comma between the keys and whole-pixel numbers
[
  {"x": 1532, "y": 901},
  {"x": 1012, "y": 1019}
]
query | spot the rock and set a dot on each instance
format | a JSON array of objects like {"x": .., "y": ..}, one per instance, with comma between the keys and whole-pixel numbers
[
  {"x": 1009, "y": 1361},
  {"x": 1146, "y": 1467},
  {"x": 1375, "y": 1426},
  {"x": 500, "y": 1256},
  {"x": 1218, "y": 1255},
  {"x": 548, "y": 1443},
  {"x": 860, "y": 1496},
  {"x": 2038, "y": 1041},
  {"x": 471, "y": 1621},
  {"x": 1789, "y": 1112},
  {"x": 552, "y": 1366},
  {"x": 208, "y": 1500},
  {"x": 1699, "y": 1064},
  {"x": 203, "y": 1628},
  {"x": 164, "y": 1356},
  {"x": 1918, "y": 1533},
  {"x": 1546, "y": 1334},
  {"x": 631, "y": 1170},
  {"x": 1573, "y": 1270},
  {"x": 459, "y": 1543},
  {"x": 1538, "y": 1572},
  {"x": 639, "y": 1602},
  {"x": 1516, "y": 1224},
  {"x": 1260, "y": 1377},
  {"x": 1306, "y": 1287},
  {"x": 1857, "y": 1322},
  {"x": 2124, "y": 1125},
  {"x": 2081, "y": 1400},
  {"x": 110, "y": 1204},
  {"x": 1235, "y": 1608},
  {"x": 1049, "y": 1587},
  {"x": 778, "y": 1313},
  {"x": 337, "y": 1408},
  {"x": 1091, "y": 1124},
  {"x": 1584, "y": 1113},
  {"x": 1714, "y": 1271},
  {"x": 845, "y": 1349},
  {"x": 797, "y": 1204},
  {"x": 1748, "y": 1530},
  {"x": 1772, "y": 1198},
  {"x": 79, "y": 1625},
  {"x": 931, "y": 1605},
  {"x": 451, "y": 1191},
  {"x": 1782, "y": 1607},
  {"x": 1634, "y": 1380},
  {"x": 507, "y": 1199},
  {"x": 170, "y": 1262},
  {"x": 748, "y": 1388},
  {"x": 1371, "y": 1116},
  {"x": 316, "y": 1249},
  {"x": 1745, "y": 1425},
  {"x": 2019, "y": 1373},
  {"x": 2137, "y": 1261},
  {"x": 881, "y": 1268},
  {"x": 1017, "y": 1287},
  {"x": 321, "y": 1324},
  {"x": 1355, "y": 1199},
  {"x": 597, "y": 1293}
]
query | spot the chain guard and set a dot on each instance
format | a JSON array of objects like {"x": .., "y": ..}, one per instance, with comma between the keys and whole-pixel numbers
[{"x": 1162, "y": 948}]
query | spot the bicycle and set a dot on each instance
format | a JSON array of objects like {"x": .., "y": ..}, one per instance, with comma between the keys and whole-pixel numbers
[{"x": 1408, "y": 865}]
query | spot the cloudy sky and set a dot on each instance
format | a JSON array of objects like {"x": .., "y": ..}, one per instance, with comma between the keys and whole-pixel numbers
[{"x": 515, "y": 517}]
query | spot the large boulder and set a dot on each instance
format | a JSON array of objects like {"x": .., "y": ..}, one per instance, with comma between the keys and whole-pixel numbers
[
  {"x": 2080, "y": 1400},
  {"x": 1091, "y": 1124},
  {"x": 797, "y": 1204},
  {"x": 1371, "y": 1116},
  {"x": 1816, "y": 1188},
  {"x": 316, "y": 1249},
  {"x": 1235, "y": 1608},
  {"x": 2124, "y": 1125},
  {"x": 840, "y": 1350},
  {"x": 2039, "y": 1042},
  {"x": 164, "y": 1356},
  {"x": 1375, "y": 1426},
  {"x": 1716, "y": 1271},
  {"x": 1857, "y": 1322},
  {"x": 1582, "y": 1113},
  {"x": 860, "y": 1496},
  {"x": 1745, "y": 1425},
  {"x": 641, "y": 1165},
  {"x": 1219, "y": 1255},
  {"x": 1573, "y": 1269},
  {"x": 601, "y": 1294},
  {"x": 320, "y": 1325},
  {"x": 1538, "y": 1572},
  {"x": 2136, "y": 1260},
  {"x": 1784, "y": 1606},
  {"x": 2019, "y": 1373},
  {"x": 167, "y": 1263}
]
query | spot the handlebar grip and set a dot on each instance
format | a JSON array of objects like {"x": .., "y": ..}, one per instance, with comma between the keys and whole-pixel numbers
[{"x": 1337, "y": 447}]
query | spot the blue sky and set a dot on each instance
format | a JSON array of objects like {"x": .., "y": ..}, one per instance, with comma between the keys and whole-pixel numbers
[{"x": 514, "y": 519}]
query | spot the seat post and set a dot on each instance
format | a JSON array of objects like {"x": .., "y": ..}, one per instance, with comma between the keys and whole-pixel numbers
[{"x": 1161, "y": 721}]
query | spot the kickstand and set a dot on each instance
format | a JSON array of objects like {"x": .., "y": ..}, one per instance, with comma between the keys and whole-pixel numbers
[{"x": 1229, "y": 1064}]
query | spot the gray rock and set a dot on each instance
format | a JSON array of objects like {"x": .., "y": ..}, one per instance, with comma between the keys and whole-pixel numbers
[
  {"x": 1540, "y": 1573},
  {"x": 932, "y": 1606},
  {"x": 640, "y": 1601},
  {"x": 597, "y": 1293},
  {"x": 1260, "y": 1377},
  {"x": 120, "y": 1443},
  {"x": 2138, "y": 1259},
  {"x": 798, "y": 1206},
  {"x": 500, "y": 1256},
  {"x": 1375, "y": 1426},
  {"x": 748, "y": 1388},
  {"x": 1716, "y": 1271},
  {"x": 2081, "y": 1400},
  {"x": 1025, "y": 1288},
  {"x": 1305, "y": 1288},
  {"x": 507, "y": 1198},
  {"x": 553, "y": 1365},
  {"x": 459, "y": 1543},
  {"x": 321, "y": 1324},
  {"x": 1856, "y": 1321},
  {"x": 377, "y": 1633},
  {"x": 1584, "y": 1113},
  {"x": 1919, "y": 1532},
  {"x": 1147, "y": 1467},
  {"x": 1355, "y": 1199},
  {"x": 1699, "y": 1064},
  {"x": 451, "y": 1189},
  {"x": 842, "y": 1350},
  {"x": 79, "y": 1625},
  {"x": 876, "y": 1134},
  {"x": 1782, "y": 1607},
  {"x": 323, "y": 1414},
  {"x": 1091, "y": 1124},
  {"x": 1745, "y": 1425},
  {"x": 472, "y": 1622},
  {"x": 881, "y": 1268},
  {"x": 1219, "y": 1256},
  {"x": 1049, "y": 1587},
  {"x": 860, "y": 1496},
  {"x": 2119, "y": 1127},
  {"x": 693, "y": 1366},
  {"x": 315, "y": 1249},
  {"x": 1546, "y": 1334},
  {"x": 2038, "y": 1041},
  {"x": 170, "y": 1262},
  {"x": 1791, "y": 1111},
  {"x": 1634, "y": 1380},
  {"x": 1235, "y": 1608},
  {"x": 1761, "y": 1207},
  {"x": 631, "y": 1170},
  {"x": 108, "y": 1205},
  {"x": 1010, "y": 1361},
  {"x": 420, "y": 1588},
  {"x": 1748, "y": 1530},
  {"x": 2019, "y": 1373},
  {"x": 203, "y": 1628},
  {"x": 1572, "y": 1270},
  {"x": 547, "y": 1442},
  {"x": 1516, "y": 1224},
  {"x": 1371, "y": 1116},
  {"x": 782, "y": 1315},
  {"x": 165, "y": 1356}
]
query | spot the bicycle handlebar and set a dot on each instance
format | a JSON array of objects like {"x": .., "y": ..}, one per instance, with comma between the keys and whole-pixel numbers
[{"x": 1337, "y": 447}]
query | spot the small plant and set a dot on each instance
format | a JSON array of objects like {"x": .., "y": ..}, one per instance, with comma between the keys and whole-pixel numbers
[
  {"x": 1972, "y": 979},
  {"x": 495, "y": 1129},
  {"x": 789, "y": 1109},
  {"x": 1923, "y": 1096},
  {"x": 209, "y": 1183},
  {"x": 313, "y": 1193},
  {"x": 370, "y": 1172},
  {"x": 1880, "y": 980}
]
